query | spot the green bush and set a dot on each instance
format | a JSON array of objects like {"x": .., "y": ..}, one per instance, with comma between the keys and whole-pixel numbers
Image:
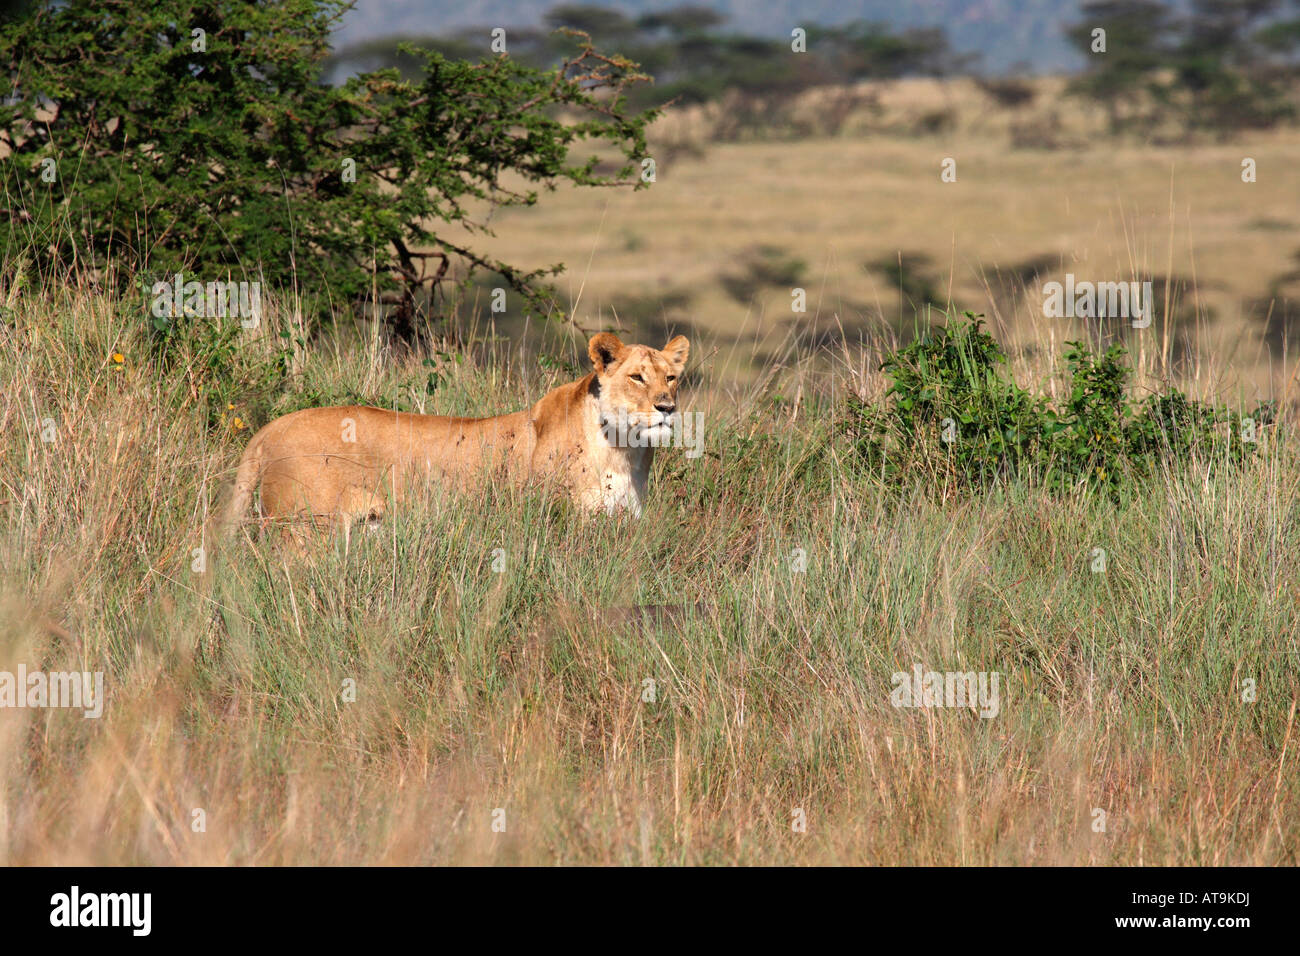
[
  {"x": 955, "y": 417},
  {"x": 171, "y": 136}
]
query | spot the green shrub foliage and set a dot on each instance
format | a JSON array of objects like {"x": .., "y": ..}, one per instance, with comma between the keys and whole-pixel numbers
[
  {"x": 178, "y": 135},
  {"x": 954, "y": 415}
]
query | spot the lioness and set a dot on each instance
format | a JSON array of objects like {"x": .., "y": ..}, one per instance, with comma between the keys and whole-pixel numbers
[{"x": 345, "y": 464}]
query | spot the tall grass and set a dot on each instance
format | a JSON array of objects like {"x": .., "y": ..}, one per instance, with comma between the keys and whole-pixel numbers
[{"x": 529, "y": 690}]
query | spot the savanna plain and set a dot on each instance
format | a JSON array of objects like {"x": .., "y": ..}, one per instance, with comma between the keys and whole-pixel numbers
[{"x": 500, "y": 679}]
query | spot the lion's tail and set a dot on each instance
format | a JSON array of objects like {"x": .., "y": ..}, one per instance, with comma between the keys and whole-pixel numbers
[{"x": 241, "y": 495}]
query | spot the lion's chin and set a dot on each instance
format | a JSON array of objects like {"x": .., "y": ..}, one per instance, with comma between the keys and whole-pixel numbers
[
  {"x": 629, "y": 431},
  {"x": 659, "y": 435}
]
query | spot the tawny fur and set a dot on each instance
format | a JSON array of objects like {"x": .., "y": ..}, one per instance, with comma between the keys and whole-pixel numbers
[{"x": 349, "y": 463}]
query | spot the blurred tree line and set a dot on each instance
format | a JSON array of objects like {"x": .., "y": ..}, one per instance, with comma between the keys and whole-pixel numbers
[
  {"x": 1195, "y": 65},
  {"x": 690, "y": 56},
  {"x": 1209, "y": 65}
]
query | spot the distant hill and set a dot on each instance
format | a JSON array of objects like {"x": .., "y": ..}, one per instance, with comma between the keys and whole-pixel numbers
[{"x": 1008, "y": 34}]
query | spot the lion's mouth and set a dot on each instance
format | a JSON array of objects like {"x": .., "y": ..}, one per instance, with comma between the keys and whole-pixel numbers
[
  {"x": 637, "y": 431},
  {"x": 658, "y": 434}
]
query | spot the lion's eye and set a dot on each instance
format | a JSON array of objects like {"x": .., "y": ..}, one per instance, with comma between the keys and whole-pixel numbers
[
  {"x": 637, "y": 378},
  {"x": 672, "y": 378}
]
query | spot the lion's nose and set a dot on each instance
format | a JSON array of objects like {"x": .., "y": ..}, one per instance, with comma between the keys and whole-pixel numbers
[{"x": 666, "y": 405}]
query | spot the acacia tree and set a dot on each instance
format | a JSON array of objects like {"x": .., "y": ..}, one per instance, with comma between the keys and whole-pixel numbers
[
  {"x": 1139, "y": 42},
  {"x": 168, "y": 134},
  {"x": 1216, "y": 65}
]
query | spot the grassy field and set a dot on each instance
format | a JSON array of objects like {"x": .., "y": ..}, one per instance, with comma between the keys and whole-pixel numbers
[
  {"x": 503, "y": 680},
  {"x": 711, "y": 684}
]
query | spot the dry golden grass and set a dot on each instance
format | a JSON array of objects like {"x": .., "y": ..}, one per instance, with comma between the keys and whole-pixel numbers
[
  {"x": 524, "y": 691},
  {"x": 479, "y": 691}
]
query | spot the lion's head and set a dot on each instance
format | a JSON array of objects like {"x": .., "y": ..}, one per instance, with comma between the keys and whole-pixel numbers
[{"x": 638, "y": 388}]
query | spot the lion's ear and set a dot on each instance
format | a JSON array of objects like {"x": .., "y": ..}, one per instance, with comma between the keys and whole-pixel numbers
[
  {"x": 605, "y": 350},
  {"x": 677, "y": 350}
]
